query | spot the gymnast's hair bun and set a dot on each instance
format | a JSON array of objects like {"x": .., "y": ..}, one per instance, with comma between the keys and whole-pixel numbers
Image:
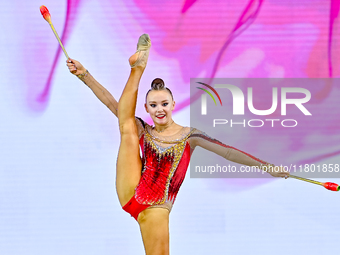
[{"x": 157, "y": 84}]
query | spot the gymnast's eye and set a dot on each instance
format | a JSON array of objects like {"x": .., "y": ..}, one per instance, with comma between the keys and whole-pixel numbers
[
  {"x": 153, "y": 105},
  {"x": 165, "y": 104}
]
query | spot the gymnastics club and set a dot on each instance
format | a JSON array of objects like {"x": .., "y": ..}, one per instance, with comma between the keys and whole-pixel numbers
[
  {"x": 47, "y": 16},
  {"x": 328, "y": 185}
]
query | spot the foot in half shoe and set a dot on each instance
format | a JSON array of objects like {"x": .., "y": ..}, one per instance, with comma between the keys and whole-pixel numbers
[{"x": 140, "y": 58}]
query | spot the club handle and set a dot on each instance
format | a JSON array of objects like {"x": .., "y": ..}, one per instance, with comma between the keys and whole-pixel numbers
[
  {"x": 56, "y": 35},
  {"x": 305, "y": 179}
]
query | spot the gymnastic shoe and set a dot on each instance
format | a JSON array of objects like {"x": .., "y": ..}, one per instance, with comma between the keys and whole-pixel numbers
[{"x": 143, "y": 49}]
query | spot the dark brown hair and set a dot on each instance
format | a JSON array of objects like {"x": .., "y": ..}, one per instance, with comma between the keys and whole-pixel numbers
[{"x": 158, "y": 84}]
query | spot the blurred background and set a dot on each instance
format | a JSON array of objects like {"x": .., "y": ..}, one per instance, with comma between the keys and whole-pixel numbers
[{"x": 59, "y": 143}]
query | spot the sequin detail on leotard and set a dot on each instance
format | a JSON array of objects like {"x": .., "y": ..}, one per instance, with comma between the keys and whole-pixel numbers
[{"x": 159, "y": 165}]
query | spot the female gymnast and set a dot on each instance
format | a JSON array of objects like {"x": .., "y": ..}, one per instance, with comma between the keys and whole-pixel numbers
[{"x": 147, "y": 186}]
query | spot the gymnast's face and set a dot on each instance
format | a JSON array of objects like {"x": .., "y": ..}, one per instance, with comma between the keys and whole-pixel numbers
[{"x": 159, "y": 105}]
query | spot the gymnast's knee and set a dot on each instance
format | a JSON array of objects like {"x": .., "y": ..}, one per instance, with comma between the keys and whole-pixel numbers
[
  {"x": 153, "y": 215},
  {"x": 128, "y": 127}
]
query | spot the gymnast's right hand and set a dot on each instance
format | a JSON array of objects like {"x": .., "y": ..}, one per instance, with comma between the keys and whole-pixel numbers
[{"x": 75, "y": 67}]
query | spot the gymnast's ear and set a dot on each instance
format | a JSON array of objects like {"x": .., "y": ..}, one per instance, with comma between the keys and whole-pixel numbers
[
  {"x": 146, "y": 108},
  {"x": 173, "y": 105}
]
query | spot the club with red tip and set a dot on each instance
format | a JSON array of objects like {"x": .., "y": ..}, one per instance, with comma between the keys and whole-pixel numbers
[
  {"x": 328, "y": 185},
  {"x": 47, "y": 16}
]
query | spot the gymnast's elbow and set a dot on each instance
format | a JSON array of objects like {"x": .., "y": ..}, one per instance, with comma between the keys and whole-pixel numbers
[{"x": 112, "y": 108}]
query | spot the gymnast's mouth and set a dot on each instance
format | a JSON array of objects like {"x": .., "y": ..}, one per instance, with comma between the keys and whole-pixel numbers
[{"x": 161, "y": 116}]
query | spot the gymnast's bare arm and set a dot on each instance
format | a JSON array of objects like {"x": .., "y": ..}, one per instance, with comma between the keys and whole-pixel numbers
[{"x": 102, "y": 93}]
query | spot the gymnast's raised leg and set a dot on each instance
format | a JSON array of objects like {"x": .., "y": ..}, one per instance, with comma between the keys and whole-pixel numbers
[{"x": 129, "y": 163}]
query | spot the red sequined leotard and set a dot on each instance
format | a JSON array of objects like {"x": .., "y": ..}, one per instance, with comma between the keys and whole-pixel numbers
[{"x": 165, "y": 162}]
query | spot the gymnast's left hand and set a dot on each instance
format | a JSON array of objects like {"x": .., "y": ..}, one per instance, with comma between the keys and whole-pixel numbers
[{"x": 278, "y": 171}]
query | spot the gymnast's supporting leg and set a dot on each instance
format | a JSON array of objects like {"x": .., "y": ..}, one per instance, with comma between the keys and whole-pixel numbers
[{"x": 154, "y": 226}]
